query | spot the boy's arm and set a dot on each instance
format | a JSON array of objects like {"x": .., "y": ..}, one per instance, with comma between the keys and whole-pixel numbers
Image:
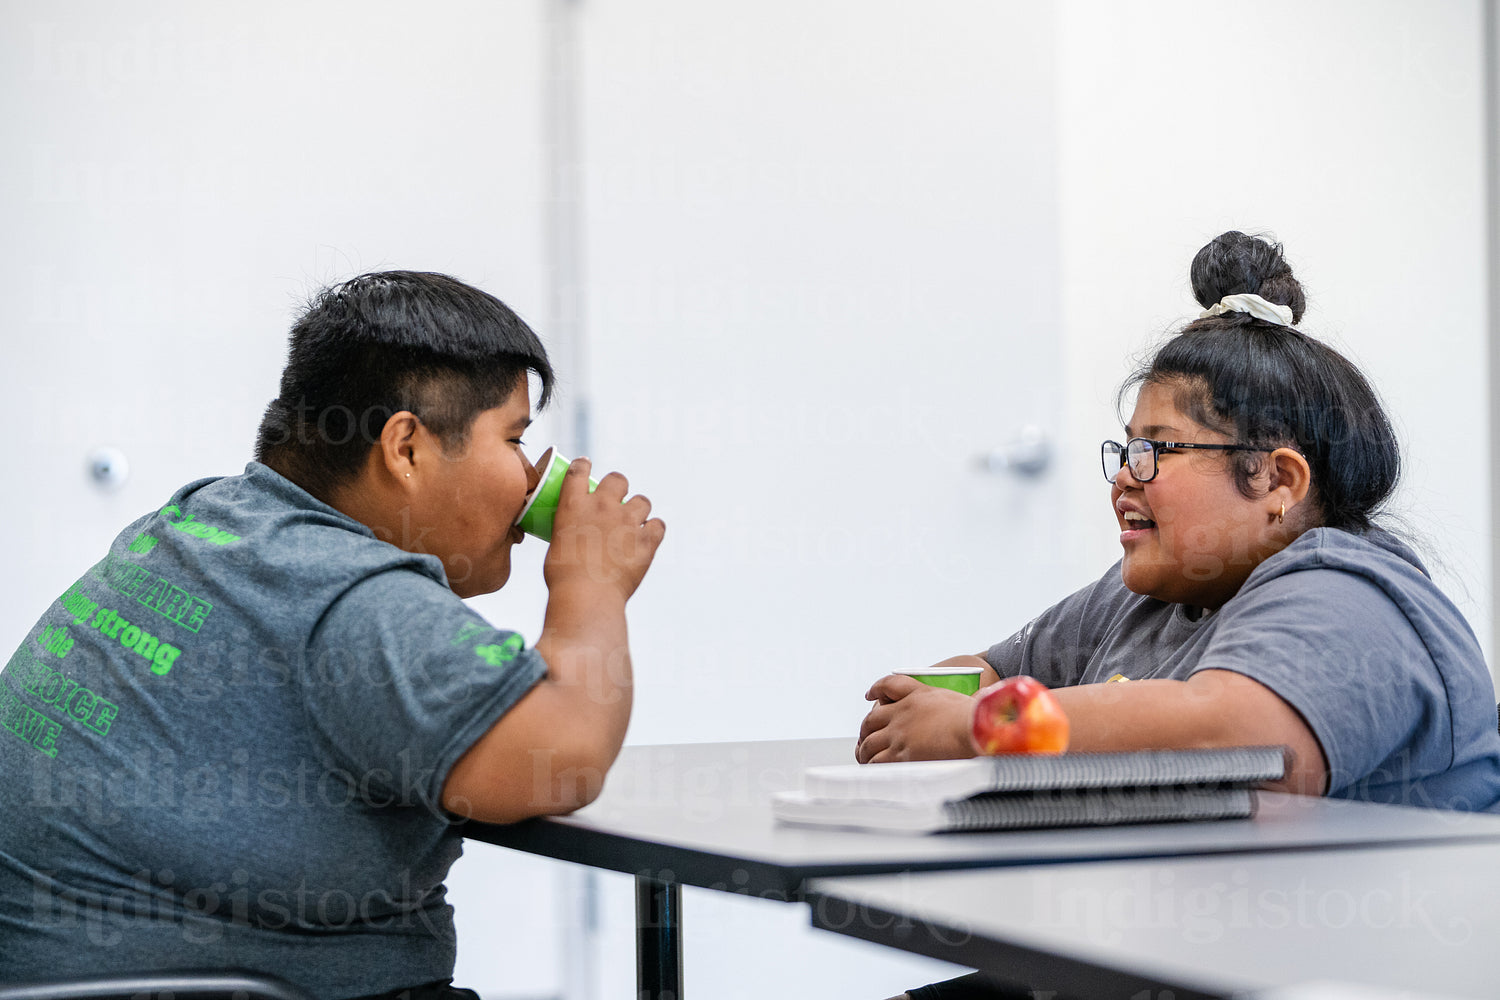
[{"x": 549, "y": 753}]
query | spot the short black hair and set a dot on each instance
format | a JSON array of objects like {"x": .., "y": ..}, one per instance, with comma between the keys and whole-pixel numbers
[
  {"x": 384, "y": 342},
  {"x": 1273, "y": 386}
]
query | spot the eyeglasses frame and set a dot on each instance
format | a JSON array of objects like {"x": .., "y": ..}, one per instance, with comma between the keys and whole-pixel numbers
[{"x": 1156, "y": 450}]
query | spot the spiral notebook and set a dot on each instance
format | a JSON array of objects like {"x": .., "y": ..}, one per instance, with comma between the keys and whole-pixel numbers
[{"x": 1021, "y": 791}]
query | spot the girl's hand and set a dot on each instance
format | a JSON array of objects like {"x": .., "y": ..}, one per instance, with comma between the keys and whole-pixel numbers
[{"x": 914, "y": 721}]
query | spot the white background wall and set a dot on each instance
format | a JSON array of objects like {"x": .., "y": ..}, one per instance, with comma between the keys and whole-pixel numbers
[{"x": 841, "y": 245}]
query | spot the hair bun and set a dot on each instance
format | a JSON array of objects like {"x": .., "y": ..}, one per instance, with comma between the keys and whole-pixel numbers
[{"x": 1237, "y": 264}]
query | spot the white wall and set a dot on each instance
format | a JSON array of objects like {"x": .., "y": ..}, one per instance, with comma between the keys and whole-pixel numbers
[
  {"x": 177, "y": 178},
  {"x": 1353, "y": 131}
]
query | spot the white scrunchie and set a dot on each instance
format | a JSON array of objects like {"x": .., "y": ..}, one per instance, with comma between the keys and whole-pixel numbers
[{"x": 1252, "y": 304}]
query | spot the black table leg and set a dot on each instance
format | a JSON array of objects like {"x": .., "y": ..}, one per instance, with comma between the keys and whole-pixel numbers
[{"x": 658, "y": 939}]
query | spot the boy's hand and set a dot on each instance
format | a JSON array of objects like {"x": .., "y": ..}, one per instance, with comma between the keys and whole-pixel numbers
[
  {"x": 914, "y": 721},
  {"x": 600, "y": 537},
  {"x": 550, "y": 752}
]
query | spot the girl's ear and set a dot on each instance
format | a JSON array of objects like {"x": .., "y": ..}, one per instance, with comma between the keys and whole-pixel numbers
[{"x": 1291, "y": 478}]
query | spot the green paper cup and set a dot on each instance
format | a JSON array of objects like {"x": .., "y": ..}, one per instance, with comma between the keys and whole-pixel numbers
[
  {"x": 964, "y": 680},
  {"x": 541, "y": 507}
]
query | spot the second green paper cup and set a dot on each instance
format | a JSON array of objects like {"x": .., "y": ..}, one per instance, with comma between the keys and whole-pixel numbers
[
  {"x": 964, "y": 680},
  {"x": 541, "y": 507}
]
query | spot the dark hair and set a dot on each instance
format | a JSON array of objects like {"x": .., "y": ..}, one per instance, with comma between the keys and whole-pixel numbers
[
  {"x": 1272, "y": 386},
  {"x": 385, "y": 342}
]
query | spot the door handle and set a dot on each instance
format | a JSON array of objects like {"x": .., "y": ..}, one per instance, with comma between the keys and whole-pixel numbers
[
  {"x": 108, "y": 468},
  {"x": 1028, "y": 454}
]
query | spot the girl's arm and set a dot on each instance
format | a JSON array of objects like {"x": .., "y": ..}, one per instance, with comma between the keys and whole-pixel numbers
[{"x": 1213, "y": 708}]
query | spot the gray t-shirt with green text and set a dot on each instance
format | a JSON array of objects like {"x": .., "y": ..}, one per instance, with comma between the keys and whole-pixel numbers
[{"x": 225, "y": 745}]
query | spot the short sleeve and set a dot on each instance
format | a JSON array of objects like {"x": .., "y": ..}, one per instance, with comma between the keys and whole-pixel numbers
[
  {"x": 1055, "y": 647},
  {"x": 402, "y": 678},
  {"x": 1335, "y": 647}
]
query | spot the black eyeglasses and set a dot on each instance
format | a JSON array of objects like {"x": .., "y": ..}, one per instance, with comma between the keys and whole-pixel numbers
[{"x": 1140, "y": 454}]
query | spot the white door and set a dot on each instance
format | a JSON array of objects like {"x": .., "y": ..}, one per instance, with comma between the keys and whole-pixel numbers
[{"x": 822, "y": 280}]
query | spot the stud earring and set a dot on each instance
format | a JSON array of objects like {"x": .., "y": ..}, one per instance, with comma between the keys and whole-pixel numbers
[{"x": 1281, "y": 515}]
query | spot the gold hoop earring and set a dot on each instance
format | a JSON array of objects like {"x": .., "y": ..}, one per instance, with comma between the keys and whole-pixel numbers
[{"x": 1281, "y": 515}]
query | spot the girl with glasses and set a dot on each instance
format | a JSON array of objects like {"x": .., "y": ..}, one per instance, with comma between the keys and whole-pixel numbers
[{"x": 1256, "y": 600}]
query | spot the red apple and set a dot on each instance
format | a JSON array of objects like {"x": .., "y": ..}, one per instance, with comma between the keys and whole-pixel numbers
[{"x": 1019, "y": 715}]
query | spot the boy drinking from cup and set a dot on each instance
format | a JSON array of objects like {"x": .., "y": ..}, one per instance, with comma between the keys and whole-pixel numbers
[{"x": 284, "y": 792}]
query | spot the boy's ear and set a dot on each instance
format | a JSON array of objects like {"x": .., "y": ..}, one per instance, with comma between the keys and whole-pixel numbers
[
  {"x": 1291, "y": 476},
  {"x": 398, "y": 444}
]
